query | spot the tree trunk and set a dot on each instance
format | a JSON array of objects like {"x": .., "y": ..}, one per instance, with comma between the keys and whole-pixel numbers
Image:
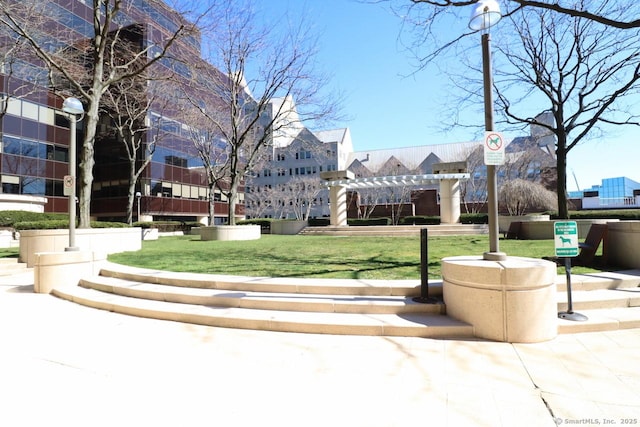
[
  {"x": 233, "y": 197},
  {"x": 212, "y": 205},
  {"x": 86, "y": 164},
  {"x": 131, "y": 196}
]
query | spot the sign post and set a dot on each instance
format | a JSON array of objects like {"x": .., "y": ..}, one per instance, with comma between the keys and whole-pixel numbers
[{"x": 565, "y": 236}]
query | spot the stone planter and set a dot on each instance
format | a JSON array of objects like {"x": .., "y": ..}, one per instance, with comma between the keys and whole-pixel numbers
[
  {"x": 287, "y": 227},
  {"x": 623, "y": 244},
  {"x": 230, "y": 232},
  {"x": 103, "y": 240},
  {"x": 509, "y": 301}
]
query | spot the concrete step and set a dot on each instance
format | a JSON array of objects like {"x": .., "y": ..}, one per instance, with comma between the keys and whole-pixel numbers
[
  {"x": 601, "y": 280},
  {"x": 600, "y": 299},
  {"x": 372, "y": 304},
  {"x": 291, "y": 285},
  {"x": 599, "y": 320},
  {"x": 361, "y": 307},
  {"x": 409, "y": 324}
]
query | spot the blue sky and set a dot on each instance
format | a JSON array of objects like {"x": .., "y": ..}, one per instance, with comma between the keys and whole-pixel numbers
[{"x": 391, "y": 105}]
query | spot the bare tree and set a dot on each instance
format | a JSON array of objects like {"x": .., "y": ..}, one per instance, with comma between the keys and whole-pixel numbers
[
  {"x": 304, "y": 190},
  {"x": 583, "y": 71},
  {"x": 396, "y": 196},
  {"x": 520, "y": 195},
  {"x": 213, "y": 154},
  {"x": 89, "y": 66},
  {"x": 263, "y": 71},
  {"x": 615, "y": 16},
  {"x": 473, "y": 191},
  {"x": 128, "y": 103}
]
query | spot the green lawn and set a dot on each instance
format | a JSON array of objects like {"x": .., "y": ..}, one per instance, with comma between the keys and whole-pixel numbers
[{"x": 320, "y": 256}]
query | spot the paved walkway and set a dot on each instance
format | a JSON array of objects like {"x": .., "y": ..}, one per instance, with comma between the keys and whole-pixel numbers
[{"x": 62, "y": 364}]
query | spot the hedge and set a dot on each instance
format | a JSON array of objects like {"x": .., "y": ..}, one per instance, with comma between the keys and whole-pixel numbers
[
  {"x": 420, "y": 220},
  {"x": 63, "y": 224}
]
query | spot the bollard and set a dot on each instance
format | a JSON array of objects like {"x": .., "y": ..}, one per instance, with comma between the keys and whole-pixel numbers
[{"x": 424, "y": 270}]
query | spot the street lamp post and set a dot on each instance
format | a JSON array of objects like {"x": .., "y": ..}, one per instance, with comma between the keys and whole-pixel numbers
[
  {"x": 138, "y": 196},
  {"x": 485, "y": 14},
  {"x": 73, "y": 107}
]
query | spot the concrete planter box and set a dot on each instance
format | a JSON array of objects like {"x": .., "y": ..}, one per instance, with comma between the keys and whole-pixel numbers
[
  {"x": 103, "y": 240},
  {"x": 623, "y": 244},
  {"x": 230, "y": 232},
  {"x": 287, "y": 227}
]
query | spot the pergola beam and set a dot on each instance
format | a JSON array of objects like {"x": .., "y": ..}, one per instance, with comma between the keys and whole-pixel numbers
[{"x": 397, "y": 180}]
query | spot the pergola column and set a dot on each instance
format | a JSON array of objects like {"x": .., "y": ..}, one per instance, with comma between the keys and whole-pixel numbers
[
  {"x": 450, "y": 191},
  {"x": 337, "y": 196},
  {"x": 449, "y": 201}
]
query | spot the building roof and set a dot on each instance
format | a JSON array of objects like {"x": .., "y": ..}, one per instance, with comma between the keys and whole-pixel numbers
[
  {"x": 332, "y": 135},
  {"x": 413, "y": 157}
]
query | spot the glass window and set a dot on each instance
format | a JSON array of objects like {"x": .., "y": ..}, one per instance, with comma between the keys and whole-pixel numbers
[
  {"x": 32, "y": 185},
  {"x": 10, "y": 145}
]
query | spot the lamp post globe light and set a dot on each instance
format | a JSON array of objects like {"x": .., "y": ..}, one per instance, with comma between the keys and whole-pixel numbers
[
  {"x": 73, "y": 107},
  {"x": 484, "y": 15}
]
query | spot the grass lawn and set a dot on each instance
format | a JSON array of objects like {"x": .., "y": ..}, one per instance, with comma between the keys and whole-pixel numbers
[{"x": 321, "y": 256}]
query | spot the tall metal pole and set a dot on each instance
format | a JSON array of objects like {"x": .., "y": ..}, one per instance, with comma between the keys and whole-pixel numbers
[
  {"x": 494, "y": 253},
  {"x": 72, "y": 193}
]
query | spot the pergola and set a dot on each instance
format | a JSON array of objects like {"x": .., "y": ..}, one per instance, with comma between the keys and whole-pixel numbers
[{"x": 339, "y": 181}]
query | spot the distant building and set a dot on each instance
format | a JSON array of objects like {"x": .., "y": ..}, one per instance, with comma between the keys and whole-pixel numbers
[
  {"x": 620, "y": 192},
  {"x": 300, "y": 155},
  {"x": 288, "y": 184}
]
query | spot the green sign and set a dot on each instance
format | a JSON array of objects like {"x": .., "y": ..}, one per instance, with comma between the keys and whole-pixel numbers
[{"x": 565, "y": 235}]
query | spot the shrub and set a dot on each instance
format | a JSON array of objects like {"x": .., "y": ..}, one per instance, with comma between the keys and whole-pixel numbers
[
  {"x": 264, "y": 223},
  {"x": 318, "y": 222},
  {"x": 369, "y": 221},
  {"x": 520, "y": 195},
  {"x": 420, "y": 220},
  {"x": 57, "y": 224},
  {"x": 9, "y": 218},
  {"x": 474, "y": 218},
  {"x": 168, "y": 226}
]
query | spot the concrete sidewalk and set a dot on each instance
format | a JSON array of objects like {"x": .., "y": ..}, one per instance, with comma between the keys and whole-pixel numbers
[{"x": 63, "y": 364}]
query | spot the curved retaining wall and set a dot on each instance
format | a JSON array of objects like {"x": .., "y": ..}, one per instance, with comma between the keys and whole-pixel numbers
[
  {"x": 543, "y": 230},
  {"x": 103, "y": 240}
]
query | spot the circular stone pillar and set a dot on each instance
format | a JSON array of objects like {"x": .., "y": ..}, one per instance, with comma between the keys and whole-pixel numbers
[
  {"x": 510, "y": 301},
  {"x": 449, "y": 201}
]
